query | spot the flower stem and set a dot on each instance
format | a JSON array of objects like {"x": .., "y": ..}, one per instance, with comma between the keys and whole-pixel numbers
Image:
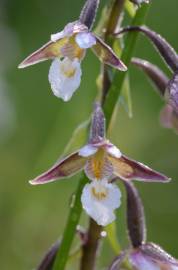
[
  {"x": 109, "y": 105},
  {"x": 130, "y": 43},
  {"x": 70, "y": 229},
  {"x": 91, "y": 246}
]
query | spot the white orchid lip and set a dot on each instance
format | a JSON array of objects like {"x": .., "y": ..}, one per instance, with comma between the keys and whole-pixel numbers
[
  {"x": 100, "y": 199},
  {"x": 65, "y": 77}
]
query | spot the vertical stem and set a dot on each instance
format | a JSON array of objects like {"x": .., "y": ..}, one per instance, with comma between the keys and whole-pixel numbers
[
  {"x": 89, "y": 253},
  {"x": 114, "y": 17},
  {"x": 91, "y": 246}
]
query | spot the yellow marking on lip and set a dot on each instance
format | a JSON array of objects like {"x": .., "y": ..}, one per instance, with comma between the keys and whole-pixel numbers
[{"x": 99, "y": 195}]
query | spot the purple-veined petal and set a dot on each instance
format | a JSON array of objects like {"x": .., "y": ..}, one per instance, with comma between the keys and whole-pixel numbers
[
  {"x": 97, "y": 130},
  {"x": 49, "y": 258},
  {"x": 172, "y": 92},
  {"x": 87, "y": 150},
  {"x": 164, "y": 48},
  {"x": 50, "y": 50},
  {"x": 117, "y": 262},
  {"x": 88, "y": 13},
  {"x": 64, "y": 168},
  {"x": 135, "y": 216},
  {"x": 141, "y": 262},
  {"x": 107, "y": 55},
  {"x": 154, "y": 73},
  {"x": 128, "y": 169},
  {"x": 157, "y": 254},
  {"x": 85, "y": 40}
]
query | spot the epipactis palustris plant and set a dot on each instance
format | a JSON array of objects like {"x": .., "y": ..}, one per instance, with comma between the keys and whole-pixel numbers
[
  {"x": 101, "y": 161},
  {"x": 68, "y": 48},
  {"x": 142, "y": 255}
]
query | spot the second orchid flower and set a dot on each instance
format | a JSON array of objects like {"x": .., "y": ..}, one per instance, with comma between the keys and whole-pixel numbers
[{"x": 102, "y": 162}]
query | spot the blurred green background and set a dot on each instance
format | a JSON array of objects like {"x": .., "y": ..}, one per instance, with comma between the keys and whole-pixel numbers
[{"x": 35, "y": 126}]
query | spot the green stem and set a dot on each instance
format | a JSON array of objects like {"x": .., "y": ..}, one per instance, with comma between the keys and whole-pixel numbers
[
  {"x": 111, "y": 100},
  {"x": 70, "y": 229},
  {"x": 130, "y": 43}
]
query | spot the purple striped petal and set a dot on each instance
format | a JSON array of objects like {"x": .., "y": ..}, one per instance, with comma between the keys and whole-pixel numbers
[
  {"x": 107, "y": 55},
  {"x": 64, "y": 168},
  {"x": 97, "y": 131},
  {"x": 48, "y": 51},
  {"x": 157, "y": 254},
  {"x": 128, "y": 169},
  {"x": 88, "y": 13},
  {"x": 135, "y": 216}
]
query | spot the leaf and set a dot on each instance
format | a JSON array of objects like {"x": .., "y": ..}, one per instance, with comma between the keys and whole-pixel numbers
[
  {"x": 78, "y": 138},
  {"x": 129, "y": 7},
  {"x": 125, "y": 97}
]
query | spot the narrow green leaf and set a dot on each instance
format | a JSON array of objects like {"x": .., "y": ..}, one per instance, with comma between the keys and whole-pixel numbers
[
  {"x": 130, "y": 8},
  {"x": 125, "y": 97}
]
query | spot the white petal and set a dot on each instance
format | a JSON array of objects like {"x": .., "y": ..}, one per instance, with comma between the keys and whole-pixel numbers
[
  {"x": 57, "y": 36},
  {"x": 101, "y": 208},
  {"x": 88, "y": 150},
  {"x": 113, "y": 151},
  {"x": 140, "y": 262},
  {"x": 173, "y": 267},
  {"x": 85, "y": 40},
  {"x": 64, "y": 77}
]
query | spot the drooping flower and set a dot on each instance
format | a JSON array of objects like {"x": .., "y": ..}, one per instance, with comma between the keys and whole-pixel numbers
[
  {"x": 142, "y": 255},
  {"x": 101, "y": 161},
  {"x": 67, "y": 49}
]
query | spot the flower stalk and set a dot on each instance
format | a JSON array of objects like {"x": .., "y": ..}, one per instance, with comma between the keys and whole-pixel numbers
[{"x": 109, "y": 106}]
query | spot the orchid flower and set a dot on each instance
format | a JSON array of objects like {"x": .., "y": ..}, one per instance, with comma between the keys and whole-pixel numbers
[
  {"x": 101, "y": 161},
  {"x": 68, "y": 48},
  {"x": 142, "y": 255}
]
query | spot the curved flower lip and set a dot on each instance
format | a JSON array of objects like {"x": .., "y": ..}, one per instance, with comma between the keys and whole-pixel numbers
[{"x": 60, "y": 40}]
